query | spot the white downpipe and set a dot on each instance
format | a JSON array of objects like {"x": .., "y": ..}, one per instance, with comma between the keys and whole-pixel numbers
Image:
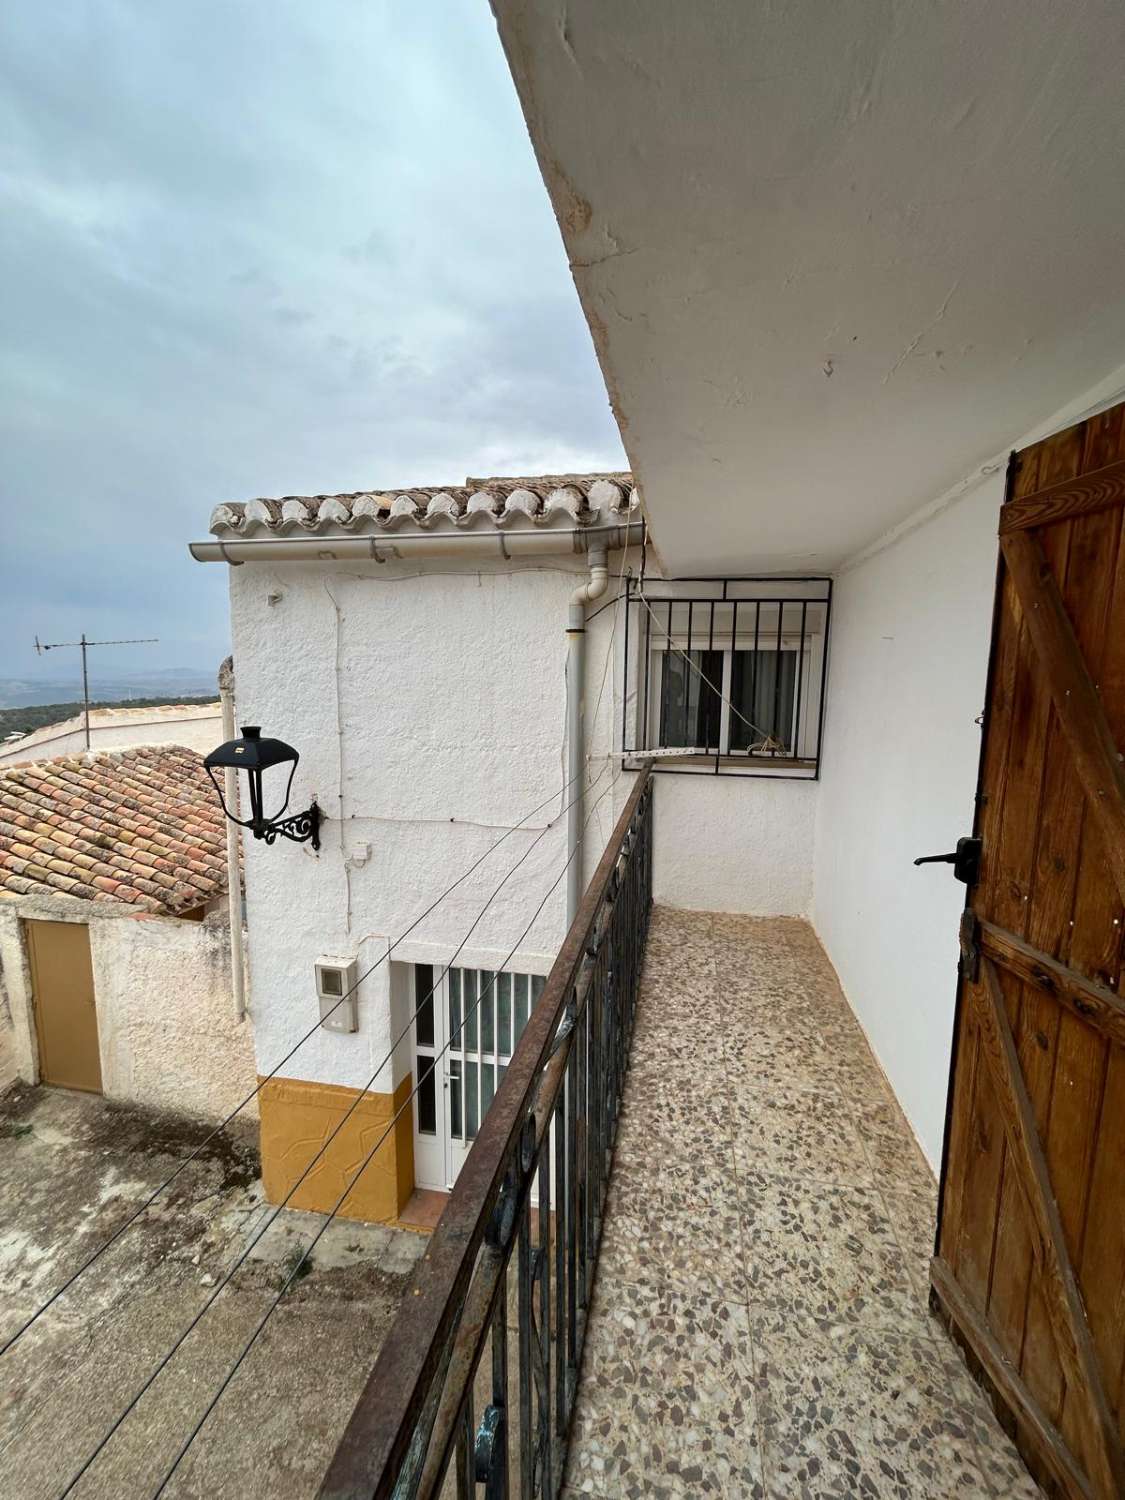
[
  {"x": 576, "y": 721},
  {"x": 234, "y": 884}
]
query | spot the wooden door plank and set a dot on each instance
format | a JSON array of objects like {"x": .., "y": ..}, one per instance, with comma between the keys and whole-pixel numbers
[
  {"x": 976, "y": 1139},
  {"x": 1103, "y": 1452},
  {"x": 1076, "y": 702},
  {"x": 971, "y": 1208},
  {"x": 1071, "y": 1136},
  {"x": 1024, "y": 891},
  {"x": 1091, "y": 1002},
  {"x": 974, "y": 1332},
  {"x": 1100, "y": 490},
  {"x": 1103, "y": 1256},
  {"x": 1033, "y": 1022},
  {"x": 1096, "y": 936},
  {"x": 971, "y": 1190}
]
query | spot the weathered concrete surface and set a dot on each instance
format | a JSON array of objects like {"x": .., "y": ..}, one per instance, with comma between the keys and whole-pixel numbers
[{"x": 73, "y": 1167}]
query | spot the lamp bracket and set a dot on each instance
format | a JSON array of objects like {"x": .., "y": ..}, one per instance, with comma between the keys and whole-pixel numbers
[{"x": 300, "y": 828}]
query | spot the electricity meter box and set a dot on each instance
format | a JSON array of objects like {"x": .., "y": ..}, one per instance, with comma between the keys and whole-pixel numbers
[{"x": 336, "y": 981}]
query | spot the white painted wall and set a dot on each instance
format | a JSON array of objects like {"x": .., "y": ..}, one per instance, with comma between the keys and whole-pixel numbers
[
  {"x": 428, "y": 708},
  {"x": 908, "y": 664},
  {"x": 198, "y": 727},
  {"x": 909, "y": 656},
  {"x": 162, "y": 989},
  {"x": 732, "y": 843},
  {"x": 166, "y": 1016}
]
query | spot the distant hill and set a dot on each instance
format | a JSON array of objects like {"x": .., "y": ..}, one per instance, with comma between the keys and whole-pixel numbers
[
  {"x": 38, "y": 715},
  {"x": 158, "y": 685}
]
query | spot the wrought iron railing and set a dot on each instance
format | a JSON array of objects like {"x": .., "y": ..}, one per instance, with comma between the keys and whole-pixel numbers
[{"x": 436, "y": 1416}]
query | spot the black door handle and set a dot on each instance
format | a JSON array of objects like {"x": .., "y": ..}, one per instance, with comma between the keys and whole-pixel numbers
[{"x": 965, "y": 860}]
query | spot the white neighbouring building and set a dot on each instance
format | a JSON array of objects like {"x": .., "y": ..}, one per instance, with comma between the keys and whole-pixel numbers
[
  {"x": 413, "y": 649},
  {"x": 116, "y": 972},
  {"x": 195, "y": 725}
]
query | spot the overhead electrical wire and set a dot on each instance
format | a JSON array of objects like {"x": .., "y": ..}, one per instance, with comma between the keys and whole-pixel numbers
[
  {"x": 162, "y": 1187},
  {"x": 295, "y": 1271},
  {"x": 221, "y": 1126},
  {"x": 244, "y": 1254},
  {"x": 362, "y": 1094}
]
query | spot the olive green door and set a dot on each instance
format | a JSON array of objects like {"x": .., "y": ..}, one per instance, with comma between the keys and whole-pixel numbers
[{"x": 66, "y": 1021}]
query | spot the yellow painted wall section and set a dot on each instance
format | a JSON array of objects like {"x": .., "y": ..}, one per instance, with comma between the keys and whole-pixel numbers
[{"x": 298, "y": 1117}]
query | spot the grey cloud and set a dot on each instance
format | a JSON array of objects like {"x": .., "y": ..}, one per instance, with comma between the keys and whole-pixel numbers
[{"x": 259, "y": 249}]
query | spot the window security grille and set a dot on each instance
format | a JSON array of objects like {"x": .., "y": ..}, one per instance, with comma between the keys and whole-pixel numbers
[{"x": 726, "y": 676}]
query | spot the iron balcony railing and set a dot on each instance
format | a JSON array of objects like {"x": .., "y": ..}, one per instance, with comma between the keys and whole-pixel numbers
[{"x": 532, "y": 1191}]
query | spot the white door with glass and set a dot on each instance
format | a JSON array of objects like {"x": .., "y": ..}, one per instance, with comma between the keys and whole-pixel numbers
[{"x": 466, "y": 1026}]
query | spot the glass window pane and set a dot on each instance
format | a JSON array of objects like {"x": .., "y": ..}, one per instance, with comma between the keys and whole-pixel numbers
[
  {"x": 763, "y": 690},
  {"x": 455, "y": 1099},
  {"x": 472, "y": 1071},
  {"x": 453, "y": 979},
  {"x": 487, "y": 1087},
  {"x": 504, "y": 1014},
  {"x": 487, "y": 1011},
  {"x": 537, "y": 983},
  {"x": 691, "y": 699},
  {"x": 674, "y": 704},
  {"x": 427, "y": 1097},
  {"x": 501, "y": 1069},
  {"x": 520, "y": 983},
  {"x": 469, "y": 995},
  {"x": 424, "y": 1005}
]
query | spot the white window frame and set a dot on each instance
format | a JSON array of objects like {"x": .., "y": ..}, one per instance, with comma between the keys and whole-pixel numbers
[{"x": 804, "y": 700}]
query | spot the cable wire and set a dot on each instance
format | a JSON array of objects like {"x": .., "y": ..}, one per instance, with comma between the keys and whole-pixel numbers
[
  {"x": 296, "y": 1270},
  {"x": 221, "y": 1126},
  {"x": 260, "y": 1233}
]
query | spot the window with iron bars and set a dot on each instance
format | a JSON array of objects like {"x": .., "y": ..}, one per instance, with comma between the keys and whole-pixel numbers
[{"x": 727, "y": 675}]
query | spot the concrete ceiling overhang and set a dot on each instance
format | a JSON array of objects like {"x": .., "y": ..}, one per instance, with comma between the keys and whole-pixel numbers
[{"x": 833, "y": 256}]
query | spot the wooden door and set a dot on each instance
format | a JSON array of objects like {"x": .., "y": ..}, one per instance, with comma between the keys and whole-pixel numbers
[
  {"x": 62, "y": 989},
  {"x": 1030, "y": 1262}
]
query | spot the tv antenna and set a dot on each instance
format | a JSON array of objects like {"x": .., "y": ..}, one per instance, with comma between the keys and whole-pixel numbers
[{"x": 41, "y": 646}]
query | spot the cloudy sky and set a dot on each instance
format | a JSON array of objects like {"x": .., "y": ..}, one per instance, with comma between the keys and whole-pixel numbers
[{"x": 256, "y": 249}]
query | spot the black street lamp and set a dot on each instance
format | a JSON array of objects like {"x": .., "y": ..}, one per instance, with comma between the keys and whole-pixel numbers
[{"x": 254, "y": 755}]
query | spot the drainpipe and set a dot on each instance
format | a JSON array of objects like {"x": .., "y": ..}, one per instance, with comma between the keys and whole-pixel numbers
[
  {"x": 575, "y": 721},
  {"x": 234, "y": 884}
]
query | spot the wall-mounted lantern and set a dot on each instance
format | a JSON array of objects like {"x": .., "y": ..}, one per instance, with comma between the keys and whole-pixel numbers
[{"x": 254, "y": 755}]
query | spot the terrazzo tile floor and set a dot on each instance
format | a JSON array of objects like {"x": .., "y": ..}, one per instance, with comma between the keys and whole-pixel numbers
[{"x": 760, "y": 1325}]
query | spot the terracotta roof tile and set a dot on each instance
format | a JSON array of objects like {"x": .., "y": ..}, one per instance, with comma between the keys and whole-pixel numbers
[
  {"x": 540, "y": 500},
  {"x": 141, "y": 826}
]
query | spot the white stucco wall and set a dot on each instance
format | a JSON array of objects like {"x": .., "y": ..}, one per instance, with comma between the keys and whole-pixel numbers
[
  {"x": 909, "y": 657},
  {"x": 199, "y": 728},
  {"x": 428, "y": 708},
  {"x": 162, "y": 989},
  {"x": 732, "y": 843},
  {"x": 907, "y": 676},
  {"x": 166, "y": 1016}
]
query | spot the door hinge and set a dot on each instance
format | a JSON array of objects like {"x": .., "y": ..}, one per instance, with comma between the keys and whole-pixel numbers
[{"x": 968, "y": 965}]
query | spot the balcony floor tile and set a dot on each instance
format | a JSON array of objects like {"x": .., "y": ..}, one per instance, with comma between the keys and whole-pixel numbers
[{"x": 760, "y": 1325}]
